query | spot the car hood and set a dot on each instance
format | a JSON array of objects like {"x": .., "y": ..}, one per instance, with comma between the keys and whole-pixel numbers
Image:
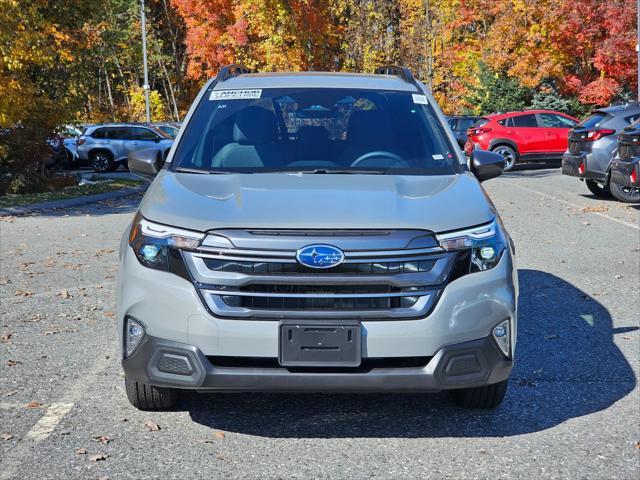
[{"x": 204, "y": 202}]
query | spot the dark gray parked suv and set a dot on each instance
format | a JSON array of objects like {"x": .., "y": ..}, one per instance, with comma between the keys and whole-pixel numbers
[
  {"x": 593, "y": 144},
  {"x": 105, "y": 147}
]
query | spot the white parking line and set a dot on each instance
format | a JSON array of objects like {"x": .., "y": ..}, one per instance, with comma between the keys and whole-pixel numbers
[
  {"x": 47, "y": 424},
  {"x": 55, "y": 413},
  {"x": 552, "y": 197}
]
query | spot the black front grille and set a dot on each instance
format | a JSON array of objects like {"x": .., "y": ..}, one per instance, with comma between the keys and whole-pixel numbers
[
  {"x": 282, "y": 297},
  {"x": 323, "y": 289},
  {"x": 284, "y": 268}
]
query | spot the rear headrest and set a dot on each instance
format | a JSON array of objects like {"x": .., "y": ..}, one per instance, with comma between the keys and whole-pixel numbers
[
  {"x": 369, "y": 127},
  {"x": 312, "y": 132},
  {"x": 255, "y": 125}
]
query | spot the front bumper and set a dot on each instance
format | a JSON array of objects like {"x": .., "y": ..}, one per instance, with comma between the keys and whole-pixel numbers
[
  {"x": 171, "y": 364},
  {"x": 572, "y": 164},
  {"x": 621, "y": 172}
]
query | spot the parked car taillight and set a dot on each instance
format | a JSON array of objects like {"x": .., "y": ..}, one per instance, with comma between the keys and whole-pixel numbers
[
  {"x": 478, "y": 131},
  {"x": 594, "y": 135},
  {"x": 80, "y": 141}
]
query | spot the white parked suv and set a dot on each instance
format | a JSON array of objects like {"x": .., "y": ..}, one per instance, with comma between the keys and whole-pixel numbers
[{"x": 105, "y": 147}]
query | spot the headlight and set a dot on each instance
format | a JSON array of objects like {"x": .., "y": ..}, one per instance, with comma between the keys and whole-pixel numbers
[
  {"x": 153, "y": 243},
  {"x": 486, "y": 243}
]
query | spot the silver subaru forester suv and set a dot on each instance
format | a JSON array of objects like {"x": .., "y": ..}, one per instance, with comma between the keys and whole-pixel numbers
[{"x": 316, "y": 232}]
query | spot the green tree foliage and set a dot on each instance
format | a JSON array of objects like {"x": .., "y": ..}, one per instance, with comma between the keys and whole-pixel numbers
[{"x": 496, "y": 92}]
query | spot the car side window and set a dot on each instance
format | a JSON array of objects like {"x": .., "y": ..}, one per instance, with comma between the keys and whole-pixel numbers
[
  {"x": 140, "y": 133},
  {"x": 100, "y": 133},
  {"x": 549, "y": 120},
  {"x": 465, "y": 123},
  {"x": 118, "y": 133},
  {"x": 452, "y": 123},
  {"x": 524, "y": 121}
]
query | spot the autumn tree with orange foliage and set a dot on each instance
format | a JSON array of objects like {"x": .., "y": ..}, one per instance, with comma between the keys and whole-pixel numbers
[{"x": 583, "y": 47}]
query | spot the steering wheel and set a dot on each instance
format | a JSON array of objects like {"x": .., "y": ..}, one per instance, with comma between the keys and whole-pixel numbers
[{"x": 377, "y": 154}]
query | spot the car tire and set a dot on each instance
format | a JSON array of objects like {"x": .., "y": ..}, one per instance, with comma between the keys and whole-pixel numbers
[
  {"x": 597, "y": 190},
  {"x": 509, "y": 153},
  {"x": 103, "y": 162},
  {"x": 148, "y": 397},
  {"x": 624, "y": 194},
  {"x": 487, "y": 396}
]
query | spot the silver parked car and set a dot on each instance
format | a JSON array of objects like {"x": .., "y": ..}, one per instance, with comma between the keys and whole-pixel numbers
[
  {"x": 316, "y": 232},
  {"x": 105, "y": 147},
  {"x": 593, "y": 144}
]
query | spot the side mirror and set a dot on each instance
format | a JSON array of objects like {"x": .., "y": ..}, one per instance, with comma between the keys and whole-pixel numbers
[
  {"x": 486, "y": 165},
  {"x": 145, "y": 163}
]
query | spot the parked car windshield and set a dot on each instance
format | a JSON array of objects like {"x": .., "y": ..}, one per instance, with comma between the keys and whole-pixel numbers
[{"x": 315, "y": 130}]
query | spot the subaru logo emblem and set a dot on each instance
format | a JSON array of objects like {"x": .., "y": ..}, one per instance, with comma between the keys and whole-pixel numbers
[{"x": 320, "y": 256}]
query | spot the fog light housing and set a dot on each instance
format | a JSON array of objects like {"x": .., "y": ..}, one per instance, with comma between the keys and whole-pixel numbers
[
  {"x": 487, "y": 253},
  {"x": 132, "y": 336},
  {"x": 502, "y": 335}
]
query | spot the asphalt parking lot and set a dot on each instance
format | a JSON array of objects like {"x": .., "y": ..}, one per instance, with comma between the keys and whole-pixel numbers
[{"x": 571, "y": 411}]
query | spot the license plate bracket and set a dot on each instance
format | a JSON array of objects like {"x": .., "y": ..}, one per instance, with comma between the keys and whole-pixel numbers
[{"x": 320, "y": 343}]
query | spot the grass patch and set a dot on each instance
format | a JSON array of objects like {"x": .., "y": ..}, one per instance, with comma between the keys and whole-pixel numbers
[{"x": 66, "y": 193}]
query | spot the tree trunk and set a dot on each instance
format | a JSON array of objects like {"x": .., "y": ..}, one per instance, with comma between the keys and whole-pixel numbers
[{"x": 108, "y": 84}]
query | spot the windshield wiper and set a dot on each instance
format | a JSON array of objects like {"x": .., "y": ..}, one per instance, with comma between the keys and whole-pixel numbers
[
  {"x": 201, "y": 172},
  {"x": 340, "y": 171},
  {"x": 190, "y": 170}
]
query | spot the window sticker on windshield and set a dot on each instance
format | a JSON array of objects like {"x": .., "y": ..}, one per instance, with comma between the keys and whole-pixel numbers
[
  {"x": 420, "y": 99},
  {"x": 437, "y": 157},
  {"x": 236, "y": 94}
]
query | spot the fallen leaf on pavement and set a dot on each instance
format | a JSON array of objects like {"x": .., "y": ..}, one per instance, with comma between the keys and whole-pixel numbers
[
  {"x": 81, "y": 451},
  {"x": 33, "y": 404},
  {"x": 13, "y": 363},
  {"x": 6, "y": 436},
  {"x": 64, "y": 293},
  {"x": 98, "y": 457},
  {"x": 638, "y": 445},
  {"x": 5, "y": 337},
  {"x": 152, "y": 426},
  {"x": 595, "y": 209},
  {"x": 22, "y": 293},
  {"x": 11, "y": 393},
  {"x": 102, "y": 439},
  {"x": 218, "y": 434}
]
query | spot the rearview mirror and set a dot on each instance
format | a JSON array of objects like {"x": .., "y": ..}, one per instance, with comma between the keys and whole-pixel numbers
[
  {"x": 486, "y": 165},
  {"x": 145, "y": 163}
]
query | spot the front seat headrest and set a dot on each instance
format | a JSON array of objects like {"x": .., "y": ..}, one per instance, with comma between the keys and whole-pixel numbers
[
  {"x": 369, "y": 127},
  {"x": 255, "y": 125}
]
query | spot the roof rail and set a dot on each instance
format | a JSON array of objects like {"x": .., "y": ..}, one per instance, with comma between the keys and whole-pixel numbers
[
  {"x": 402, "y": 72},
  {"x": 232, "y": 70}
]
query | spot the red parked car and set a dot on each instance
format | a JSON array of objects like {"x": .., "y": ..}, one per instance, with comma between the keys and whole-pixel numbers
[{"x": 523, "y": 135}]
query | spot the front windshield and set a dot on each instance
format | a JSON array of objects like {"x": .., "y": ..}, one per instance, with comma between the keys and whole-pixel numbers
[{"x": 317, "y": 131}]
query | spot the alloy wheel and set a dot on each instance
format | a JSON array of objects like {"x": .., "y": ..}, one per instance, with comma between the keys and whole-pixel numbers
[{"x": 509, "y": 156}]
